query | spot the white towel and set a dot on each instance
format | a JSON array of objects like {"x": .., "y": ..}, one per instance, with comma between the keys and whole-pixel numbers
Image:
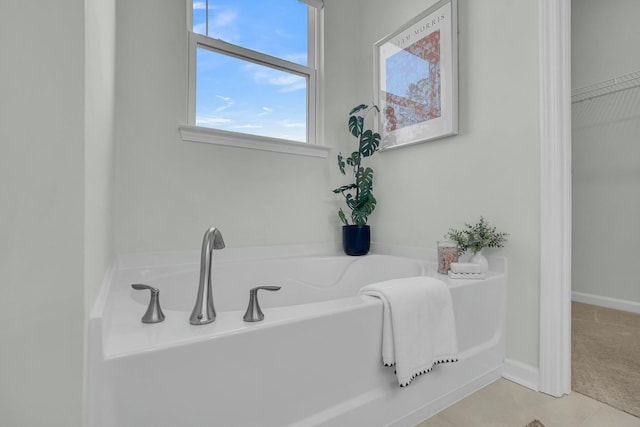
[
  {"x": 465, "y": 267},
  {"x": 418, "y": 330},
  {"x": 454, "y": 275}
]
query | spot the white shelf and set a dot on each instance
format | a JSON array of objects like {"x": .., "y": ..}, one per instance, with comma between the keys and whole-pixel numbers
[{"x": 607, "y": 87}]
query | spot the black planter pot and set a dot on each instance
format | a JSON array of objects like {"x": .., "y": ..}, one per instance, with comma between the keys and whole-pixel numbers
[{"x": 356, "y": 239}]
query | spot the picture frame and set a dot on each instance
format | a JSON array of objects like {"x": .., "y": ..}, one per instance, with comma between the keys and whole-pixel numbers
[{"x": 416, "y": 78}]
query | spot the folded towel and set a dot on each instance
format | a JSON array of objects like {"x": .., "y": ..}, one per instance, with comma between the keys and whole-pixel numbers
[
  {"x": 453, "y": 275},
  {"x": 465, "y": 267},
  {"x": 418, "y": 330}
]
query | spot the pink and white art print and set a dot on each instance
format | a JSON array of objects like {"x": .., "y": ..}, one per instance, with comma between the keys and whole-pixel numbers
[{"x": 416, "y": 75}]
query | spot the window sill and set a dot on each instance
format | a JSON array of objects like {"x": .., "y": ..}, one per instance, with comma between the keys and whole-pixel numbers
[{"x": 231, "y": 139}]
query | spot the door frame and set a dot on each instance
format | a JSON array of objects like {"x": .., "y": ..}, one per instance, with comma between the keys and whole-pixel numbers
[{"x": 554, "y": 24}]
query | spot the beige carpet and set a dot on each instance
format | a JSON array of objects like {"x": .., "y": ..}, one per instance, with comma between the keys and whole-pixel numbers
[{"x": 605, "y": 350}]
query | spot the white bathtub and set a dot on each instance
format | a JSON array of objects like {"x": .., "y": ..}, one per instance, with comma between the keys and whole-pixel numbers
[{"x": 314, "y": 360}]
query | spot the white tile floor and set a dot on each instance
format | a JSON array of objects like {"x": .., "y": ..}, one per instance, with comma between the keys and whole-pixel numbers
[{"x": 506, "y": 404}]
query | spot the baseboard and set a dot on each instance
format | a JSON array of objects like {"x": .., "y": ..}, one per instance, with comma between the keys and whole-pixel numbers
[
  {"x": 521, "y": 373},
  {"x": 615, "y": 303}
]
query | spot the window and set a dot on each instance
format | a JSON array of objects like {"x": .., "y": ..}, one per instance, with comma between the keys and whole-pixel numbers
[{"x": 252, "y": 69}]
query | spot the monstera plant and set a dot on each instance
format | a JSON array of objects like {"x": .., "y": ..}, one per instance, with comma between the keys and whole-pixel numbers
[{"x": 358, "y": 195}]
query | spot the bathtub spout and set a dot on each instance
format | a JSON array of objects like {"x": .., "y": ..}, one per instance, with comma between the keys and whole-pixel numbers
[{"x": 204, "y": 312}]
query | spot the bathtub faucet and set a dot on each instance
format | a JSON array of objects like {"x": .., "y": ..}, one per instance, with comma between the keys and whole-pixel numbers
[{"x": 204, "y": 312}]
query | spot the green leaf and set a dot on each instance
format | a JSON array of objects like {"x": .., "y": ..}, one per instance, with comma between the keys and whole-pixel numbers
[
  {"x": 369, "y": 204},
  {"x": 358, "y": 218},
  {"x": 355, "y": 125},
  {"x": 343, "y": 217},
  {"x": 361, "y": 213},
  {"x": 353, "y": 159},
  {"x": 344, "y": 188},
  {"x": 366, "y": 202},
  {"x": 364, "y": 180},
  {"x": 366, "y": 192},
  {"x": 351, "y": 201},
  {"x": 369, "y": 143},
  {"x": 358, "y": 108},
  {"x": 475, "y": 237},
  {"x": 341, "y": 163}
]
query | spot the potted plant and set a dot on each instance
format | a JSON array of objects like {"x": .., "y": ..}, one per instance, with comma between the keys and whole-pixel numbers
[
  {"x": 476, "y": 237},
  {"x": 358, "y": 195}
]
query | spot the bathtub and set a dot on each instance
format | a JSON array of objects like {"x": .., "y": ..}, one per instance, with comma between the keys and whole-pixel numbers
[{"x": 314, "y": 360}]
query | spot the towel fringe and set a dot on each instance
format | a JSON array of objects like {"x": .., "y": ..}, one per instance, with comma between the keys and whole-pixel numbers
[{"x": 417, "y": 374}]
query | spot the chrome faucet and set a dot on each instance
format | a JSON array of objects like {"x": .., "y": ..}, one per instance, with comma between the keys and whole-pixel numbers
[{"x": 204, "y": 312}]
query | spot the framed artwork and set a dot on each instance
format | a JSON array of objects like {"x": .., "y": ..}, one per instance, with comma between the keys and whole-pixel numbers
[{"x": 416, "y": 78}]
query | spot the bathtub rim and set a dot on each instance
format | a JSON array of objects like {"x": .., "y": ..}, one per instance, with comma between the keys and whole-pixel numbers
[
  {"x": 133, "y": 260},
  {"x": 126, "y": 262}
]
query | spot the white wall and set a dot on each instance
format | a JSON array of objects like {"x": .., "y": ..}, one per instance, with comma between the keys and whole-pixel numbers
[
  {"x": 604, "y": 40},
  {"x": 41, "y": 213},
  {"x": 342, "y": 69},
  {"x": 56, "y": 169},
  {"x": 168, "y": 191},
  {"x": 491, "y": 168},
  {"x": 606, "y": 153},
  {"x": 99, "y": 150}
]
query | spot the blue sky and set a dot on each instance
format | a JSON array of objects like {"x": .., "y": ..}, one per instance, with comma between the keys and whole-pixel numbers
[{"x": 241, "y": 96}]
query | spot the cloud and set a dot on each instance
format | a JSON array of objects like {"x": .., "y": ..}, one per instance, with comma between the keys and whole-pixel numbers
[
  {"x": 200, "y": 29},
  {"x": 223, "y": 18},
  {"x": 298, "y": 58},
  {"x": 228, "y": 100},
  {"x": 285, "y": 81},
  {"x": 288, "y": 124},
  {"x": 222, "y": 22},
  {"x": 212, "y": 121},
  {"x": 281, "y": 80},
  {"x": 265, "y": 111},
  {"x": 247, "y": 127},
  {"x": 300, "y": 84}
]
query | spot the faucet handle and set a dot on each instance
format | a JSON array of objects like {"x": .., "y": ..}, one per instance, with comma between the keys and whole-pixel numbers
[
  {"x": 266, "y": 288},
  {"x": 154, "y": 313},
  {"x": 253, "y": 313}
]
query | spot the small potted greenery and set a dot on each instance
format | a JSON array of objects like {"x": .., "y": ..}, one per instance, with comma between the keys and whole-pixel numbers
[
  {"x": 476, "y": 237},
  {"x": 358, "y": 195}
]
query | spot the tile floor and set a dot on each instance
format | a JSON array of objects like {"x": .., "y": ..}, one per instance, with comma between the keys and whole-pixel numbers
[{"x": 507, "y": 404}]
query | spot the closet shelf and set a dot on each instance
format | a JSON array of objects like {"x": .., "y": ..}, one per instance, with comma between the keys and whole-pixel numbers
[{"x": 607, "y": 87}]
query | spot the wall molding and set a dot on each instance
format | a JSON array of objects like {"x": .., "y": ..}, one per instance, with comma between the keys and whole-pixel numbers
[
  {"x": 554, "y": 29},
  {"x": 615, "y": 303},
  {"x": 521, "y": 373}
]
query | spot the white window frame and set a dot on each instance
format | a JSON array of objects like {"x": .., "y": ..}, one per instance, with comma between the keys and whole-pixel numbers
[{"x": 191, "y": 132}]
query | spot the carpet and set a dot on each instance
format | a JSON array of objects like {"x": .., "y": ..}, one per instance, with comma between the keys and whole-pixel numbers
[
  {"x": 605, "y": 356},
  {"x": 535, "y": 423}
]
